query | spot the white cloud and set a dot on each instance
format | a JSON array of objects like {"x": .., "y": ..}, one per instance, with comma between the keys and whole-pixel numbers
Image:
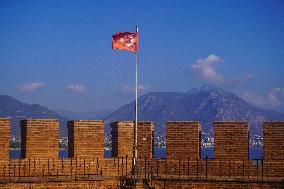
[
  {"x": 130, "y": 90},
  {"x": 274, "y": 95},
  {"x": 238, "y": 80},
  {"x": 254, "y": 99},
  {"x": 76, "y": 88},
  {"x": 30, "y": 87},
  {"x": 206, "y": 68},
  {"x": 273, "y": 99}
]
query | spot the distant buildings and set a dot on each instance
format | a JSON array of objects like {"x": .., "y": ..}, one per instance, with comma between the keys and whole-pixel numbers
[{"x": 207, "y": 141}]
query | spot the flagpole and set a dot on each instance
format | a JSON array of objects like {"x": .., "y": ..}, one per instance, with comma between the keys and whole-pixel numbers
[{"x": 136, "y": 107}]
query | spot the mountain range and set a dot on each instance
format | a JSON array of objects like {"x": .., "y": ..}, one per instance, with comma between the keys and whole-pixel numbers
[
  {"x": 205, "y": 105},
  {"x": 17, "y": 111},
  {"x": 98, "y": 114}
]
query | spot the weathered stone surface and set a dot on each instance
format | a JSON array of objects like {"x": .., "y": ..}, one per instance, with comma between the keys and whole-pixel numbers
[
  {"x": 145, "y": 138},
  {"x": 40, "y": 138},
  {"x": 183, "y": 139},
  {"x": 183, "y": 168},
  {"x": 86, "y": 138},
  {"x": 273, "y": 140},
  {"x": 122, "y": 138},
  {"x": 4, "y": 138},
  {"x": 231, "y": 140},
  {"x": 273, "y": 148}
]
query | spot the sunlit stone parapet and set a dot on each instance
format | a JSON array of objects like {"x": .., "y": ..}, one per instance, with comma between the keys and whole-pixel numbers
[
  {"x": 40, "y": 138},
  {"x": 86, "y": 138},
  {"x": 231, "y": 140},
  {"x": 4, "y": 138},
  {"x": 183, "y": 139}
]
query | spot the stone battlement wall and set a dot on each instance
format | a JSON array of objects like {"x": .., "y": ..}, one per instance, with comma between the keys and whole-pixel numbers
[{"x": 40, "y": 140}]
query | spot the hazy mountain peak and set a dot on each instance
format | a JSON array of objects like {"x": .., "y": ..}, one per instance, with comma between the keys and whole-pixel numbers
[
  {"x": 204, "y": 88},
  {"x": 7, "y": 98},
  {"x": 206, "y": 104},
  {"x": 209, "y": 88},
  {"x": 17, "y": 110}
]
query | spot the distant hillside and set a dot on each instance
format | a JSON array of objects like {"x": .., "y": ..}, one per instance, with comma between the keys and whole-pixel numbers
[
  {"x": 99, "y": 114},
  {"x": 17, "y": 110},
  {"x": 206, "y": 105}
]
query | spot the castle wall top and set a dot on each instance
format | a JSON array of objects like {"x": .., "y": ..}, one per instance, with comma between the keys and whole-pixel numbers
[
  {"x": 123, "y": 122},
  {"x": 273, "y": 122},
  {"x": 4, "y": 122},
  {"x": 82, "y": 123},
  {"x": 38, "y": 122},
  {"x": 230, "y": 122},
  {"x": 116, "y": 123},
  {"x": 87, "y": 121},
  {"x": 145, "y": 122},
  {"x": 4, "y": 118},
  {"x": 183, "y": 122}
]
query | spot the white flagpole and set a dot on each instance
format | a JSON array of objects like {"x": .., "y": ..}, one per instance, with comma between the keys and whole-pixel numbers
[{"x": 136, "y": 107}]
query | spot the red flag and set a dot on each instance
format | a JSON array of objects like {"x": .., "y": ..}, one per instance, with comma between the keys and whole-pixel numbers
[{"x": 125, "y": 41}]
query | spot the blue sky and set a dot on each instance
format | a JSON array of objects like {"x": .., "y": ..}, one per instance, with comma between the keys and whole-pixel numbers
[{"x": 58, "y": 53}]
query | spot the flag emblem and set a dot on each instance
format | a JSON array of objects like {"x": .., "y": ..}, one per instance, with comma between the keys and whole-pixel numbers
[{"x": 125, "y": 41}]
